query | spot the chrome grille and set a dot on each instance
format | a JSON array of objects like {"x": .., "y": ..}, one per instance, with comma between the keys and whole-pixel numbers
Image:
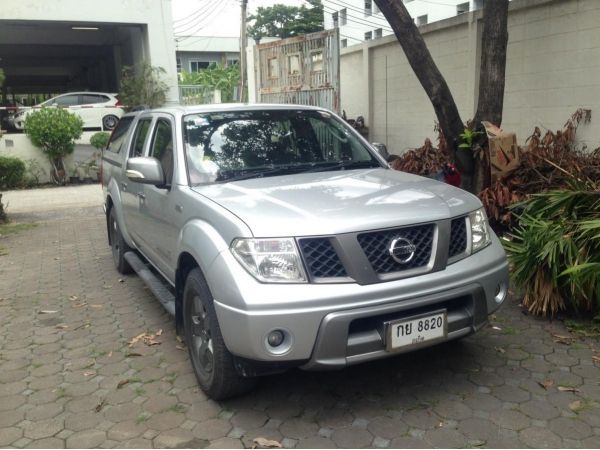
[
  {"x": 458, "y": 237},
  {"x": 321, "y": 259},
  {"x": 376, "y": 246}
]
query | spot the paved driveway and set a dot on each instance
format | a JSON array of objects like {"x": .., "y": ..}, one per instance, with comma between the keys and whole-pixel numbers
[{"x": 69, "y": 378}]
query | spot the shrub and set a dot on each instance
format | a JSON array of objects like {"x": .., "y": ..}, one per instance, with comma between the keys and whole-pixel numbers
[
  {"x": 555, "y": 250},
  {"x": 12, "y": 172},
  {"x": 146, "y": 88},
  {"x": 54, "y": 131},
  {"x": 100, "y": 140}
]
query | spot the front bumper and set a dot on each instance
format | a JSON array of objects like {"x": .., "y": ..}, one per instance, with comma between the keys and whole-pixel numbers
[{"x": 332, "y": 326}]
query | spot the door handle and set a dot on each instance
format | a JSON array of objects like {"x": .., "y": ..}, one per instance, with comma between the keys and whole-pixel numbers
[
  {"x": 142, "y": 195},
  {"x": 124, "y": 186}
]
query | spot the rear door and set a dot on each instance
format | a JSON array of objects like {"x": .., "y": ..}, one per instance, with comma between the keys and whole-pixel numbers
[
  {"x": 132, "y": 192},
  {"x": 91, "y": 109}
]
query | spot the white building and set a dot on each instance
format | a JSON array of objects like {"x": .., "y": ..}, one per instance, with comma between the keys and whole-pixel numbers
[
  {"x": 69, "y": 45},
  {"x": 195, "y": 53},
  {"x": 361, "y": 20}
]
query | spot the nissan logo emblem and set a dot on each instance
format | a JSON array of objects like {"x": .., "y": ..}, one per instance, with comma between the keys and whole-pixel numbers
[{"x": 402, "y": 250}]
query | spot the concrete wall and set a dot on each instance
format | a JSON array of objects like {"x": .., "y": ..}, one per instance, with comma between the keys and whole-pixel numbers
[
  {"x": 157, "y": 45},
  {"x": 19, "y": 146},
  {"x": 552, "y": 69}
]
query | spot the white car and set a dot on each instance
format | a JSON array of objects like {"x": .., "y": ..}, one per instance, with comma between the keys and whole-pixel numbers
[{"x": 96, "y": 109}]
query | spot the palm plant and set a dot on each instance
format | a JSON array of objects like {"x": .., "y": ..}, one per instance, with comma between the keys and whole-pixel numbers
[
  {"x": 215, "y": 76},
  {"x": 555, "y": 250}
]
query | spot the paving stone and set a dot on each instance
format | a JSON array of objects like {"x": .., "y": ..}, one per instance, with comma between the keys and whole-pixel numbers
[
  {"x": 43, "y": 428},
  {"x": 387, "y": 428},
  {"x": 165, "y": 421},
  {"x": 512, "y": 420},
  {"x": 570, "y": 428},
  {"x": 409, "y": 442},
  {"x": 352, "y": 437},
  {"x": 537, "y": 409},
  {"x": 537, "y": 437},
  {"x": 316, "y": 442},
  {"x": 173, "y": 439},
  {"x": 298, "y": 429},
  {"x": 212, "y": 429},
  {"x": 46, "y": 443},
  {"x": 127, "y": 430},
  {"x": 86, "y": 439},
  {"x": 224, "y": 443},
  {"x": 138, "y": 443},
  {"x": 445, "y": 438},
  {"x": 9, "y": 435},
  {"x": 249, "y": 420}
]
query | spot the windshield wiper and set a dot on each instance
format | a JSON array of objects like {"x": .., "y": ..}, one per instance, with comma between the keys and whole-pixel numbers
[
  {"x": 261, "y": 173},
  {"x": 344, "y": 165}
]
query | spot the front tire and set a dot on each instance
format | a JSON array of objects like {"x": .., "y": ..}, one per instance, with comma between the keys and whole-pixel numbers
[
  {"x": 118, "y": 245},
  {"x": 212, "y": 363}
]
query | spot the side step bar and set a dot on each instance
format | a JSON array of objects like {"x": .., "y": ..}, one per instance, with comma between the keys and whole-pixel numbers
[{"x": 164, "y": 296}]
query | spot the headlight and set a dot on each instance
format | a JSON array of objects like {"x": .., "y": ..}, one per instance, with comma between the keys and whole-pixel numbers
[
  {"x": 270, "y": 260},
  {"x": 480, "y": 230}
]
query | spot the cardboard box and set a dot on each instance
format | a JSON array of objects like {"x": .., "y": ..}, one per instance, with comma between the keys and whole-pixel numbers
[{"x": 504, "y": 152}]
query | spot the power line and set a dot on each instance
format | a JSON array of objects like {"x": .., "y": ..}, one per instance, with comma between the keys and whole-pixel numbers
[
  {"x": 198, "y": 20},
  {"x": 202, "y": 23},
  {"x": 353, "y": 19},
  {"x": 191, "y": 16}
]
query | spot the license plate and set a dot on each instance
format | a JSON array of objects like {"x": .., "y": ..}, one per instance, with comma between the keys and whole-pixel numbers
[{"x": 416, "y": 330}]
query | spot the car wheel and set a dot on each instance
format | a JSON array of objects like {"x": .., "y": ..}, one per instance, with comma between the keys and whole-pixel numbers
[
  {"x": 110, "y": 122},
  {"x": 118, "y": 245},
  {"x": 212, "y": 363}
]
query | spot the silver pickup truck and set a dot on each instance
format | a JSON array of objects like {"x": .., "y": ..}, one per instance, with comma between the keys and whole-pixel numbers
[{"x": 278, "y": 238}]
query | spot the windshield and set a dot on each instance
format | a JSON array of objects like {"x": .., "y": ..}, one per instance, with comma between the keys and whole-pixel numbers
[{"x": 230, "y": 146}]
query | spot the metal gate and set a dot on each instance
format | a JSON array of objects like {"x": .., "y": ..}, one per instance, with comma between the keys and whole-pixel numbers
[{"x": 301, "y": 70}]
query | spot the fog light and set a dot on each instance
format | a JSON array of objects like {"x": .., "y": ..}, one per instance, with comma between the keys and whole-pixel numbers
[{"x": 275, "y": 338}]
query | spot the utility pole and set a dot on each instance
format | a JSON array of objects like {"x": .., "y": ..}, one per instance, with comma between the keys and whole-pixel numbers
[{"x": 243, "y": 46}]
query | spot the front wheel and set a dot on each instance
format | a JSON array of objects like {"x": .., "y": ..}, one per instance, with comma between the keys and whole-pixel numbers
[
  {"x": 211, "y": 361},
  {"x": 117, "y": 244},
  {"x": 110, "y": 122}
]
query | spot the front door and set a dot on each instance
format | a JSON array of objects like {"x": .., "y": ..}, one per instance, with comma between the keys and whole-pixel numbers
[
  {"x": 131, "y": 191},
  {"x": 159, "y": 232}
]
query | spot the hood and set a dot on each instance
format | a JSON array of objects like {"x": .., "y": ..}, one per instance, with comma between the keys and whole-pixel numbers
[{"x": 328, "y": 203}]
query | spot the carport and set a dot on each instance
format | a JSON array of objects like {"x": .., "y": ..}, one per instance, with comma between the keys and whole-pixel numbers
[{"x": 55, "y": 57}]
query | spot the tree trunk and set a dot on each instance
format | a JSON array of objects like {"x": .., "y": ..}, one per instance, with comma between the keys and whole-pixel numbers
[
  {"x": 430, "y": 77},
  {"x": 491, "y": 81},
  {"x": 493, "y": 63}
]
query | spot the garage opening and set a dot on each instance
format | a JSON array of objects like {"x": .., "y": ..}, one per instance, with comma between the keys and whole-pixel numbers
[{"x": 44, "y": 59}]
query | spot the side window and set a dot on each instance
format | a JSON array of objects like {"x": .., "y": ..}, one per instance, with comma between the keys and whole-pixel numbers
[
  {"x": 137, "y": 148},
  {"x": 118, "y": 135},
  {"x": 162, "y": 147},
  {"x": 90, "y": 99},
  {"x": 66, "y": 100}
]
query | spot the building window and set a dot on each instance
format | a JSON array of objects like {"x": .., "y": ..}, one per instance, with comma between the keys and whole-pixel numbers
[
  {"x": 343, "y": 17},
  {"x": 378, "y": 33},
  {"x": 273, "y": 68},
  {"x": 336, "y": 19},
  {"x": 294, "y": 64},
  {"x": 316, "y": 61},
  {"x": 368, "y": 8},
  {"x": 179, "y": 67},
  {"x": 422, "y": 20},
  {"x": 478, "y": 4},
  {"x": 462, "y": 8},
  {"x": 344, "y": 43},
  {"x": 232, "y": 62},
  {"x": 368, "y": 35},
  {"x": 197, "y": 66}
]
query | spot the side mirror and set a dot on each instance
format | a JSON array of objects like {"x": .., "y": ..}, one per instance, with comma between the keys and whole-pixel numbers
[
  {"x": 381, "y": 149},
  {"x": 145, "y": 171}
]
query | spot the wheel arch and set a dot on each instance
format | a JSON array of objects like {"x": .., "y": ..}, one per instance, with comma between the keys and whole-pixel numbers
[{"x": 185, "y": 264}]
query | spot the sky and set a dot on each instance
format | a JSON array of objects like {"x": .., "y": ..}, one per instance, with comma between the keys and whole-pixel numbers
[{"x": 214, "y": 17}]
